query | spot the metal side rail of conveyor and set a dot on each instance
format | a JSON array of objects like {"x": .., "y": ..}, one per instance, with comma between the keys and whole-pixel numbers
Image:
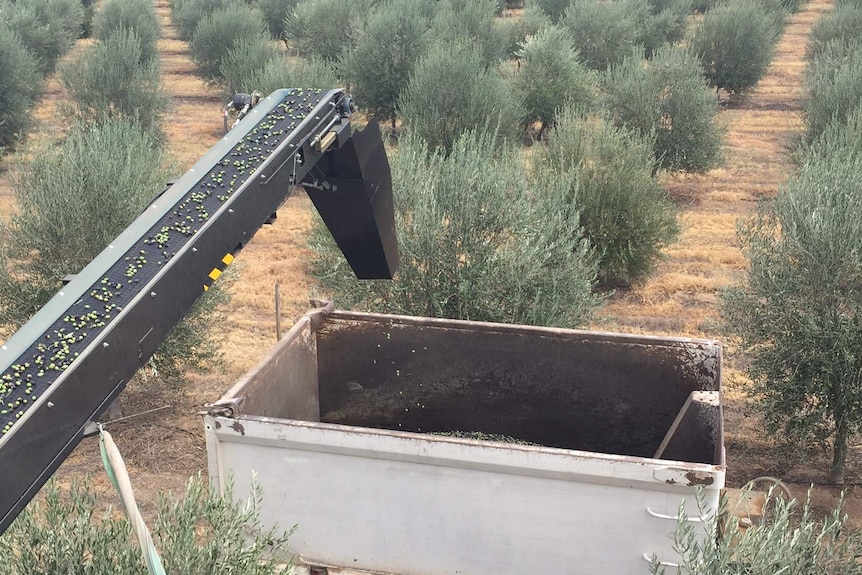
[{"x": 75, "y": 356}]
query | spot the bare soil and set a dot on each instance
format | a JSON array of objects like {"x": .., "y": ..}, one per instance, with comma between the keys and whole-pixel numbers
[{"x": 163, "y": 448}]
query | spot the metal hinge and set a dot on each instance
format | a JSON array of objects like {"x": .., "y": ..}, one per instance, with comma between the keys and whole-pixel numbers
[{"x": 223, "y": 407}]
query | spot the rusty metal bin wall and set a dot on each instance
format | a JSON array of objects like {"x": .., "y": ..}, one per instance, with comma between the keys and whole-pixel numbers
[{"x": 590, "y": 391}]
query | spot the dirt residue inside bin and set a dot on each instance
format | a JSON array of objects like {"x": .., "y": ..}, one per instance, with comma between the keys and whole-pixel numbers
[{"x": 547, "y": 390}]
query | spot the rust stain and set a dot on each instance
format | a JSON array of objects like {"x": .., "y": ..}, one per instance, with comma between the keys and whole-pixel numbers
[
  {"x": 237, "y": 426},
  {"x": 695, "y": 478}
]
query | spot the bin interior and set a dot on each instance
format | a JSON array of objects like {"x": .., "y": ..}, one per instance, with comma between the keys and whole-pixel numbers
[{"x": 604, "y": 393}]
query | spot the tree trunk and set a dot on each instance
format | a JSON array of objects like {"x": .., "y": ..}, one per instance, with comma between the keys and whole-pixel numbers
[{"x": 839, "y": 452}]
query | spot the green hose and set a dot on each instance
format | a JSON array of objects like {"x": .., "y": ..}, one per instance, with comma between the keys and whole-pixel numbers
[{"x": 119, "y": 476}]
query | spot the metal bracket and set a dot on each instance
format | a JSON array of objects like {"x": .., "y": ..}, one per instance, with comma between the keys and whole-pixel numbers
[
  {"x": 658, "y": 515},
  {"x": 648, "y": 559},
  {"x": 224, "y": 407},
  {"x": 322, "y": 308}
]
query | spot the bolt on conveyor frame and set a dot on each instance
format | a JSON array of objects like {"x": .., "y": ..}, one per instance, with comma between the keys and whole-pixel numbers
[{"x": 75, "y": 356}]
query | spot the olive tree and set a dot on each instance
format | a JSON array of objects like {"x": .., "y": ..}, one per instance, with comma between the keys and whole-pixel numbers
[
  {"x": 282, "y": 72},
  {"x": 797, "y": 539},
  {"x": 47, "y": 28},
  {"x": 137, "y": 15},
  {"x": 274, "y": 13},
  {"x": 452, "y": 91},
  {"x": 457, "y": 21},
  {"x": 199, "y": 531},
  {"x": 551, "y": 76},
  {"x": 187, "y": 14},
  {"x": 833, "y": 86},
  {"x": 703, "y": 6},
  {"x": 244, "y": 62},
  {"x": 517, "y": 30},
  {"x": 321, "y": 29},
  {"x": 603, "y": 32},
  {"x": 842, "y": 135},
  {"x": 844, "y": 21},
  {"x": 624, "y": 211},
  {"x": 735, "y": 43},
  {"x": 21, "y": 81},
  {"x": 669, "y": 99},
  {"x": 554, "y": 9},
  {"x": 387, "y": 48},
  {"x": 109, "y": 80},
  {"x": 478, "y": 241},
  {"x": 797, "y": 313},
  {"x": 219, "y": 32},
  {"x": 662, "y": 22}
]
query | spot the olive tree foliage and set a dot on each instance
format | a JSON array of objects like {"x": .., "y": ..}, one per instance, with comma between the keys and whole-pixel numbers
[
  {"x": 798, "y": 312},
  {"x": 669, "y": 99},
  {"x": 517, "y": 30},
  {"x": 187, "y": 14},
  {"x": 796, "y": 540},
  {"x": 274, "y": 13},
  {"x": 199, "y": 531},
  {"x": 21, "y": 79},
  {"x": 833, "y": 86},
  {"x": 624, "y": 212},
  {"x": 245, "y": 61},
  {"x": 661, "y": 22},
  {"x": 460, "y": 20},
  {"x": 478, "y": 240},
  {"x": 321, "y": 29},
  {"x": 393, "y": 38},
  {"x": 551, "y": 76},
  {"x": 47, "y": 28},
  {"x": 89, "y": 13},
  {"x": 703, "y": 6},
  {"x": 842, "y": 22},
  {"x": 221, "y": 31},
  {"x": 735, "y": 43},
  {"x": 140, "y": 16},
  {"x": 793, "y": 5},
  {"x": 840, "y": 136},
  {"x": 109, "y": 80},
  {"x": 452, "y": 91},
  {"x": 553, "y": 9},
  {"x": 72, "y": 201},
  {"x": 603, "y": 31},
  {"x": 282, "y": 72}
]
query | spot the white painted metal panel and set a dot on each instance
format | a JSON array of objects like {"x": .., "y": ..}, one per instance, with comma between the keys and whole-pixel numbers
[{"x": 424, "y": 505}]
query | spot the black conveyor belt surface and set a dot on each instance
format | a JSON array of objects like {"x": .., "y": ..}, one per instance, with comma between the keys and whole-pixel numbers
[{"x": 63, "y": 342}]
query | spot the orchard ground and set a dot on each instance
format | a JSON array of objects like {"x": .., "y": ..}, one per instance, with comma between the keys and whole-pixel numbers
[{"x": 165, "y": 447}]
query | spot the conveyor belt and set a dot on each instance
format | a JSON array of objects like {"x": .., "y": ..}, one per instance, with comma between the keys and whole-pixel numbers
[
  {"x": 75, "y": 356},
  {"x": 37, "y": 368}
]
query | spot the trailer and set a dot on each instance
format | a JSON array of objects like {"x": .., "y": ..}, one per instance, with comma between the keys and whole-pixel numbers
[{"x": 420, "y": 446}]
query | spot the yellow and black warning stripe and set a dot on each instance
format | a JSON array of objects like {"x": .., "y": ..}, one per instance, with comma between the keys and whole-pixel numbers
[{"x": 218, "y": 271}]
